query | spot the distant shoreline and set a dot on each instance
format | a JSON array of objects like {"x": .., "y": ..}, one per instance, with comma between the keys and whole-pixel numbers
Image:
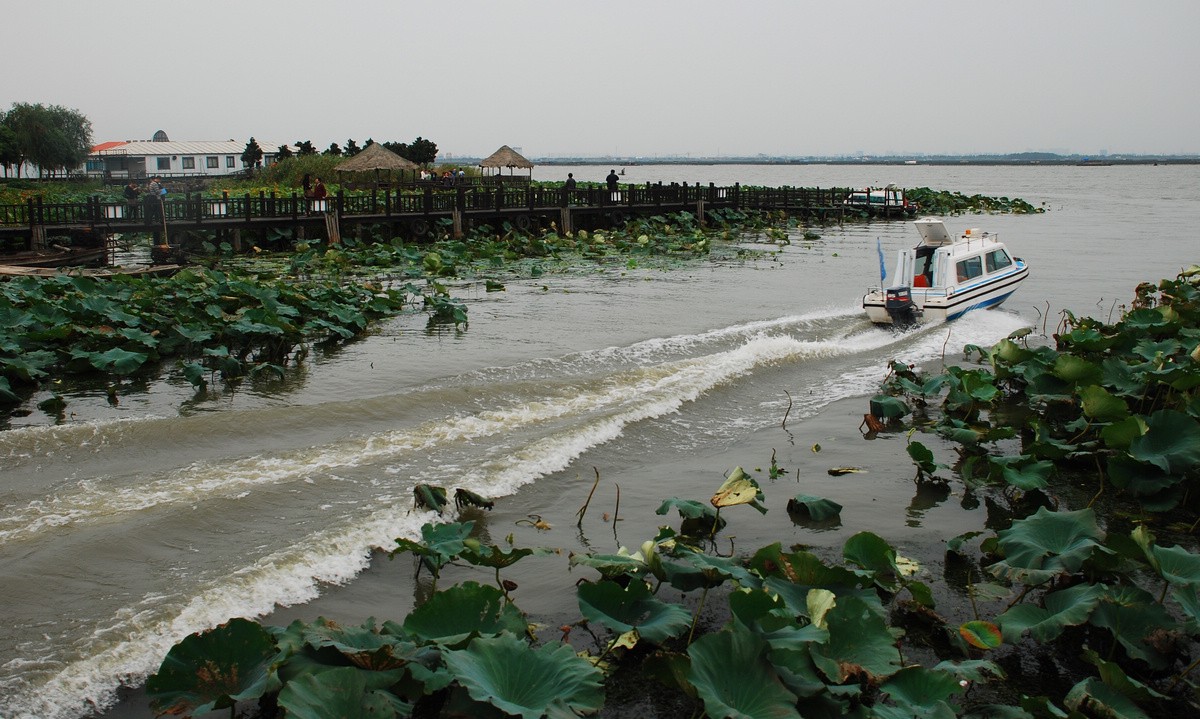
[{"x": 627, "y": 162}]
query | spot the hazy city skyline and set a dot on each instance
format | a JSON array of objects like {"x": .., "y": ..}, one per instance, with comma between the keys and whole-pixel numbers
[{"x": 624, "y": 79}]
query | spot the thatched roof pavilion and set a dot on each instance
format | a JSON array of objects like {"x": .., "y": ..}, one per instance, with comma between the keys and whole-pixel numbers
[
  {"x": 506, "y": 157},
  {"x": 377, "y": 158}
]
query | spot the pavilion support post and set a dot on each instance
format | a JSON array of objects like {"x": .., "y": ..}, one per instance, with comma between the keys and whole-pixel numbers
[
  {"x": 700, "y": 211},
  {"x": 457, "y": 219},
  {"x": 237, "y": 240},
  {"x": 566, "y": 221}
]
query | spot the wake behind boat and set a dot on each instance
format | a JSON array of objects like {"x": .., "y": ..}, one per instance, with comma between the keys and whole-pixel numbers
[{"x": 944, "y": 276}]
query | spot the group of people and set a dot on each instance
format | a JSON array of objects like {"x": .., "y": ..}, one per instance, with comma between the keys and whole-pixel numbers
[
  {"x": 314, "y": 189},
  {"x": 151, "y": 199}
]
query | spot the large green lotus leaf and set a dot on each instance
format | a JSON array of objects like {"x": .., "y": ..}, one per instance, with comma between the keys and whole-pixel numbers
[
  {"x": 1076, "y": 370},
  {"x": 860, "y": 645},
  {"x": 794, "y": 666},
  {"x": 365, "y": 647},
  {"x": 118, "y": 360},
  {"x": 6, "y": 393},
  {"x": 804, "y": 570},
  {"x": 1119, "y": 435},
  {"x": 1048, "y": 544},
  {"x": 1189, "y": 601},
  {"x": 1114, "y": 676},
  {"x": 339, "y": 693},
  {"x": 1101, "y": 406},
  {"x": 687, "y": 508},
  {"x": 874, "y": 554},
  {"x": 1139, "y": 478},
  {"x": 696, "y": 570},
  {"x": 1177, "y": 565},
  {"x": 612, "y": 565},
  {"x": 738, "y": 488},
  {"x": 817, "y": 508},
  {"x": 495, "y": 556},
  {"x": 550, "y": 681},
  {"x": 734, "y": 679},
  {"x": 1171, "y": 442},
  {"x": 215, "y": 669},
  {"x": 1085, "y": 339},
  {"x": 1022, "y": 471},
  {"x": 453, "y": 615},
  {"x": 1133, "y": 615},
  {"x": 1094, "y": 698},
  {"x": 922, "y": 456},
  {"x": 623, "y": 609},
  {"x": 440, "y": 543},
  {"x": 1119, "y": 377},
  {"x": 887, "y": 407},
  {"x": 1145, "y": 318},
  {"x": 1153, "y": 349},
  {"x": 1070, "y": 607},
  {"x": 917, "y": 688}
]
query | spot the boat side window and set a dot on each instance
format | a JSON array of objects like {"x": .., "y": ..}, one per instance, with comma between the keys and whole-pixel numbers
[
  {"x": 998, "y": 260},
  {"x": 970, "y": 268}
]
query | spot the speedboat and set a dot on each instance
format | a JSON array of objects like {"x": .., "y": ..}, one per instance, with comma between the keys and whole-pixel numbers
[{"x": 944, "y": 277}]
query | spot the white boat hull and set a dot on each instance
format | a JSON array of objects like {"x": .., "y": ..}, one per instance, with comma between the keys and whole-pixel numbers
[{"x": 938, "y": 304}]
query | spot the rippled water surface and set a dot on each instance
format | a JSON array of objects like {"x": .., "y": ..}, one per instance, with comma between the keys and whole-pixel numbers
[{"x": 123, "y": 528}]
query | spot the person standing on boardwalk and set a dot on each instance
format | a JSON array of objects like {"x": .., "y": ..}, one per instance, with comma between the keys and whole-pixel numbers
[
  {"x": 612, "y": 180},
  {"x": 131, "y": 199},
  {"x": 570, "y": 183}
]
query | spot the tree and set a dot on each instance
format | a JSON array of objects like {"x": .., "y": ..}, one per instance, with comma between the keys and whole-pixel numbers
[
  {"x": 352, "y": 148},
  {"x": 334, "y": 150},
  {"x": 9, "y": 152},
  {"x": 305, "y": 148},
  {"x": 284, "y": 152},
  {"x": 252, "y": 155},
  {"x": 423, "y": 152},
  {"x": 53, "y": 138}
]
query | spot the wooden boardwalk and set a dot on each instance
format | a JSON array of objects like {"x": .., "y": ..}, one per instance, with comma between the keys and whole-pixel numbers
[{"x": 410, "y": 214}]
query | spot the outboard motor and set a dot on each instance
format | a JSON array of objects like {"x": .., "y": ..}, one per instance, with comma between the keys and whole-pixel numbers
[{"x": 899, "y": 305}]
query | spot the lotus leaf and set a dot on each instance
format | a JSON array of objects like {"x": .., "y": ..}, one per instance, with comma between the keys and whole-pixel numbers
[
  {"x": 733, "y": 678},
  {"x": 1048, "y": 544},
  {"x": 337, "y": 693},
  {"x": 981, "y": 635},
  {"x": 922, "y": 456},
  {"x": 817, "y": 508},
  {"x": 1171, "y": 442},
  {"x": 860, "y": 645},
  {"x": 362, "y": 645},
  {"x": 118, "y": 360},
  {"x": 1132, "y": 615},
  {"x": 453, "y": 615},
  {"x": 918, "y": 688},
  {"x": 1095, "y": 698},
  {"x": 622, "y": 609},
  {"x": 887, "y": 407},
  {"x": 1067, "y": 608},
  {"x": 550, "y": 681},
  {"x": 739, "y": 488},
  {"x": 1076, "y": 370},
  {"x": 1115, "y": 677},
  {"x": 1119, "y": 435},
  {"x": 215, "y": 669},
  {"x": 1177, "y": 565},
  {"x": 874, "y": 554}
]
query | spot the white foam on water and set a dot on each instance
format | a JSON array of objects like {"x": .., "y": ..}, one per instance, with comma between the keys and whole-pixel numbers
[{"x": 575, "y": 419}]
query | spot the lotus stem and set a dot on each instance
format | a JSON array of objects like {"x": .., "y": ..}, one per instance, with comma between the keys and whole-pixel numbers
[
  {"x": 1179, "y": 677},
  {"x": 696, "y": 616},
  {"x": 1100, "y": 472},
  {"x": 789, "y": 408},
  {"x": 583, "y": 510}
]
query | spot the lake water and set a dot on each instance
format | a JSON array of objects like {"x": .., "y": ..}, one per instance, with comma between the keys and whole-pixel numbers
[{"x": 124, "y": 528}]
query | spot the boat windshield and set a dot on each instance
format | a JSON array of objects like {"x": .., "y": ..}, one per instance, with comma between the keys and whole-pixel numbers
[
  {"x": 998, "y": 260},
  {"x": 969, "y": 268}
]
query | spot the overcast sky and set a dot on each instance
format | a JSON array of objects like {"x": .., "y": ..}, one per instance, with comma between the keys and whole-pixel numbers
[{"x": 698, "y": 77}]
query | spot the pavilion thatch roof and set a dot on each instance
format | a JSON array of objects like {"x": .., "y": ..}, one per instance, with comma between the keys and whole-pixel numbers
[
  {"x": 376, "y": 157},
  {"x": 506, "y": 157}
]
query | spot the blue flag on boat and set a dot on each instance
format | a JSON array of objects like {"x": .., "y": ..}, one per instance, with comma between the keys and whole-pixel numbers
[{"x": 882, "y": 264}]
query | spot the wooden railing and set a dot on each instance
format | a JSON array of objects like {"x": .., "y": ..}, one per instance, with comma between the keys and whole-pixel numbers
[{"x": 430, "y": 199}]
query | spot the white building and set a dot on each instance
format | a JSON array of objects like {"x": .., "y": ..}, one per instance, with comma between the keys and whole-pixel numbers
[{"x": 163, "y": 158}]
